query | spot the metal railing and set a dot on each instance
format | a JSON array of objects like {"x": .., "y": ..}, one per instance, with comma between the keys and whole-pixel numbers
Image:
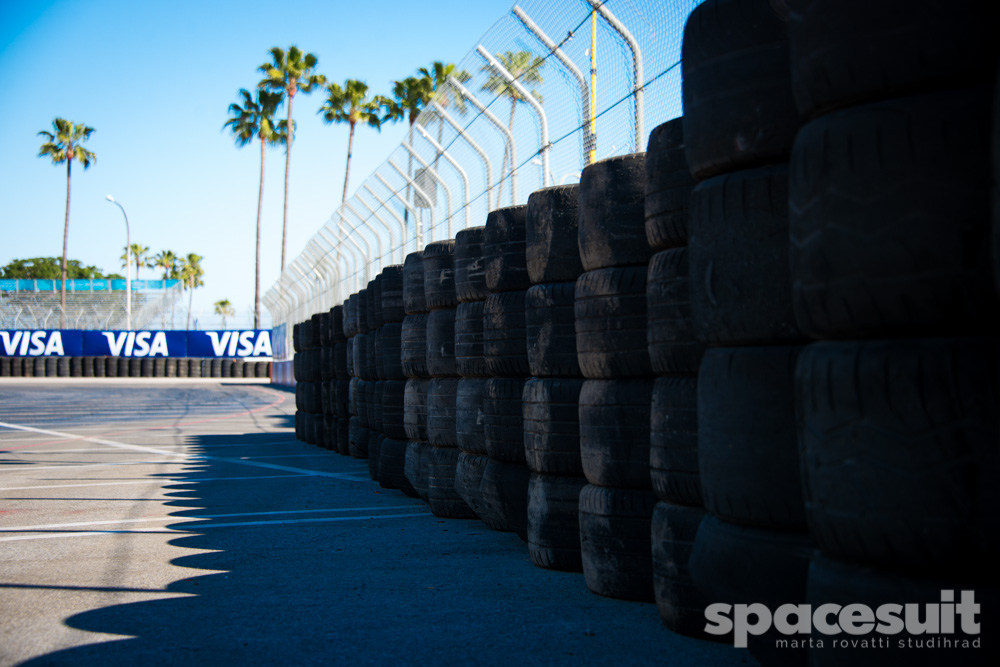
[{"x": 517, "y": 114}]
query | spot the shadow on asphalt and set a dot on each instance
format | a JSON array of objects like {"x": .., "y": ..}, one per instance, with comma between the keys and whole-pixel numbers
[{"x": 413, "y": 590}]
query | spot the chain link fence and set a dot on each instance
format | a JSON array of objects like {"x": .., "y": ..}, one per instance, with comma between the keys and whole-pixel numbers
[
  {"x": 37, "y": 304},
  {"x": 550, "y": 88}
]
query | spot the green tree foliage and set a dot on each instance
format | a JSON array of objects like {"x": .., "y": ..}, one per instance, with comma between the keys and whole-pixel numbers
[
  {"x": 50, "y": 268},
  {"x": 351, "y": 105}
]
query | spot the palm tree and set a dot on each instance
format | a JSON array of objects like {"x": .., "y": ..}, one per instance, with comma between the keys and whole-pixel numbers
[
  {"x": 224, "y": 308},
  {"x": 140, "y": 255},
  {"x": 289, "y": 73},
  {"x": 191, "y": 273},
  {"x": 438, "y": 74},
  {"x": 526, "y": 68},
  {"x": 409, "y": 97},
  {"x": 351, "y": 105},
  {"x": 64, "y": 146},
  {"x": 167, "y": 260},
  {"x": 255, "y": 120}
]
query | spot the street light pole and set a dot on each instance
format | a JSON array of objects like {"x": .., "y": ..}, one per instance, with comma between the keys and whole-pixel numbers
[{"x": 128, "y": 264}]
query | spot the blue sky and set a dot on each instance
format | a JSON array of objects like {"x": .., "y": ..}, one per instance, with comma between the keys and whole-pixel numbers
[{"x": 155, "y": 81}]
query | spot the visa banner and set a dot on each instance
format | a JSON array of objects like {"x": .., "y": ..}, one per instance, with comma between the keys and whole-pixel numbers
[{"x": 247, "y": 344}]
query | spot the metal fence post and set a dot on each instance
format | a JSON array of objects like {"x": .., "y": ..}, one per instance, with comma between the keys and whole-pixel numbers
[
  {"x": 444, "y": 186},
  {"x": 487, "y": 165},
  {"x": 633, "y": 45},
  {"x": 465, "y": 177},
  {"x": 399, "y": 221}
]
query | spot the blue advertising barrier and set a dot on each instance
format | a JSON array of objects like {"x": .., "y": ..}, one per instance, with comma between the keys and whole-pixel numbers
[{"x": 246, "y": 344}]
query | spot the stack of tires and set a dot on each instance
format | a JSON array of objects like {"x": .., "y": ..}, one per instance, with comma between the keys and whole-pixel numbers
[
  {"x": 471, "y": 292},
  {"x": 506, "y": 476},
  {"x": 413, "y": 359},
  {"x": 551, "y": 398},
  {"x": 370, "y": 386},
  {"x": 308, "y": 383},
  {"x": 675, "y": 356},
  {"x": 616, "y": 506},
  {"x": 442, "y": 301},
  {"x": 155, "y": 367},
  {"x": 335, "y": 394},
  {"x": 753, "y": 546},
  {"x": 358, "y": 432},
  {"x": 391, "y": 386},
  {"x": 891, "y": 270}
]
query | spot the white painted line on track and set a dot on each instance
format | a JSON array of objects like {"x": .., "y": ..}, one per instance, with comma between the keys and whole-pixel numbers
[
  {"x": 80, "y": 524},
  {"x": 187, "y": 457},
  {"x": 200, "y": 527},
  {"x": 163, "y": 480}
]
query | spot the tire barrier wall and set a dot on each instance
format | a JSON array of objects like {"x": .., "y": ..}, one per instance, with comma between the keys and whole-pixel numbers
[
  {"x": 100, "y": 367},
  {"x": 687, "y": 379}
]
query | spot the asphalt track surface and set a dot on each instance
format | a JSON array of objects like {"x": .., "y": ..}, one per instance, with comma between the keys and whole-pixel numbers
[{"x": 163, "y": 523}]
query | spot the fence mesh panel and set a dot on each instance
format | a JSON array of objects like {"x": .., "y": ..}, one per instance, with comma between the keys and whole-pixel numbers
[{"x": 482, "y": 144}]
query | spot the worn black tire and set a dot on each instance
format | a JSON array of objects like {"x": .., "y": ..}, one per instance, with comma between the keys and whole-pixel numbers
[
  {"x": 504, "y": 338},
  {"x": 550, "y": 330},
  {"x": 668, "y": 187},
  {"x": 470, "y": 433},
  {"x": 300, "y": 396},
  {"x": 740, "y": 283},
  {"x": 337, "y": 325},
  {"x": 296, "y": 341},
  {"x": 612, "y": 213},
  {"x": 357, "y": 445},
  {"x": 374, "y": 454},
  {"x": 392, "y": 467},
  {"x": 374, "y": 401},
  {"x": 344, "y": 436},
  {"x": 216, "y": 366},
  {"x": 57, "y": 367},
  {"x": 392, "y": 294},
  {"x": 504, "y": 249},
  {"x": 615, "y": 542},
  {"x": 225, "y": 369},
  {"x": 351, "y": 372},
  {"x": 361, "y": 398},
  {"x": 743, "y": 565},
  {"x": 442, "y": 498},
  {"x": 441, "y": 395},
  {"x": 413, "y": 346},
  {"x": 361, "y": 311},
  {"x": 389, "y": 341},
  {"x": 441, "y": 343},
  {"x": 170, "y": 367},
  {"x": 340, "y": 370},
  {"x": 738, "y": 106},
  {"x": 121, "y": 367},
  {"x": 890, "y": 219},
  {"x": 439, "y": 275},
  {"x": 470, "y": 265},
  {"x": 413, "y": 284},
  {"x": 393, "y": 409},
  {"x": 299, "y": 421},
  {"x": 195, "y": 368},
  {"x": 748, "y": 454},
  {"x": 551, "y": 412},
  {"x": 370, "y": 369},
  {"x": 503, "y": 419},
  {"x": 87, "y": 366},
  {"x": 237, "y": 368},
  {"x": 374, "y": 298},
  {"x": 181, "y": 366},
  {"x": 673, "y": 347},
  {"x": 835, "y": 582},
  {"x": 469, "y": 473},
  {"x": 415, "y": 409},
  {"x": 326, "y": 363},
  {"x": 324, "y": 328},
  {"x": 341, "y": 398},
  {"x": 673, "y": 441},
  {"x": 680, "y": 603},
  {"x": 552, "y": 243},
  {"x": 505, "y": 495},
  {"x": 554, "y": 522},
  {"x": 350, "y": 318},
  {"x": 610, "y": 310},
  {"x": 614, "y": 432},
  {"x": 899, "y": 451},
  {"x": 848, "y": 52},
  {"x": 5, "y": 363},
  {"x": 305, "y": 335},
  {"x": 75, "y": 367},
  {"x": 469, "y": 359},
  {"x": 416, "y": 467},
  {"x": 135, "y": 367}
]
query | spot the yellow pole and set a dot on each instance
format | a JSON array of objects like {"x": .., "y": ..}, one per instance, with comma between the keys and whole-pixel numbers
[{"x": 593, "y": 87}]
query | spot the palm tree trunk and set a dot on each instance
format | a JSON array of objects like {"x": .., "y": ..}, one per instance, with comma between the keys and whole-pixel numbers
[
  {"x": 62, "y": 298},
  {"x": 190, "y": 299},
  {"x": 288, "y": 164},
  {"x": 347, "y": 171},
  {"x": 256, "y": 279}
]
